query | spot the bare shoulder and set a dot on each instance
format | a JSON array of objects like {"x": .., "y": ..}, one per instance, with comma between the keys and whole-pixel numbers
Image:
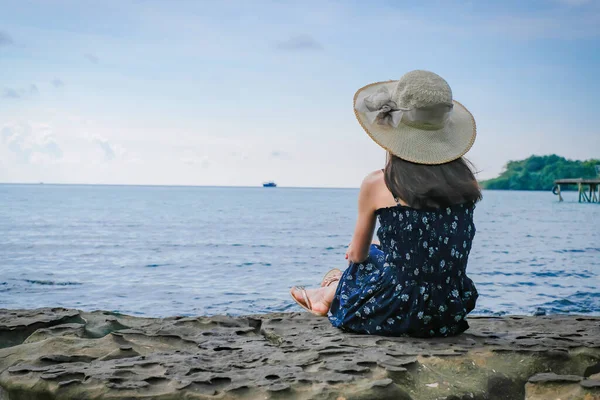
[
  {"x": 372, "y": 182},
  {"x": 373, "y": 185},
  {"x": 375, "y": 188},
  {"x": 369, "y": 192}
]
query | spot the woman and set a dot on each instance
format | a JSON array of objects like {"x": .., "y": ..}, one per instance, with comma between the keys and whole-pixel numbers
[{"x": 414, "y": 282}]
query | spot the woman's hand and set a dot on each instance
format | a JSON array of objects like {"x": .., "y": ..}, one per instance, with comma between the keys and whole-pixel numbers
[
  {"x": 348, "y": 252},
  {"x": 349, "y": 249}
]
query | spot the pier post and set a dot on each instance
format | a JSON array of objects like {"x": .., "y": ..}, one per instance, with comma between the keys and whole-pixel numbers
[
  {"x": 558, "y": 192},
  {"x": 584, "y": 195}
]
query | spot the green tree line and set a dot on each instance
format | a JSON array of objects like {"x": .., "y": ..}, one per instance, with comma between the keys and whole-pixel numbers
[{"x": 539, "y": 173}]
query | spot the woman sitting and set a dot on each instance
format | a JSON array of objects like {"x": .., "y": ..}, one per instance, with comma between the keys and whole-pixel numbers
[{"x": 415, "y": 281}]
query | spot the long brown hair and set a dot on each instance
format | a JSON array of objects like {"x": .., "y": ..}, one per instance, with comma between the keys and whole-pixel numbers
[{"x": 431, "y": 186}]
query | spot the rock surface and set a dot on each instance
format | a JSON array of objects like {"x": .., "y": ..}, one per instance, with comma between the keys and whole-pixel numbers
[{"x": 67, "y": 354}]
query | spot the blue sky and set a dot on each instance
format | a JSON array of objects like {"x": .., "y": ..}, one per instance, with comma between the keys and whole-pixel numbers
[{"x": 237, "y": 92}]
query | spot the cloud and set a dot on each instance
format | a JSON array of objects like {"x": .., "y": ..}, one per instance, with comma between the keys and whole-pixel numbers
[
  {"x": 280, "y": 154},
  {"x": 92, "y": 58},
  {"x": 57, "y": 83},
  {"x": 107, "y": 149},
  {"x": 204, "y": 163},
  {"x": 299, "y": 43},
  {"x": 5, "y": 39},
  {"x": 191, "y": 158},
  {"x": 31, "y": 144},
  {"x": 6, "y": 133},
  {"x": 9, "y": 93}
]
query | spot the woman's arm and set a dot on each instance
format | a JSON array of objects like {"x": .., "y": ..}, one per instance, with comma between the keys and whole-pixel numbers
[{"x": 365, "y": 224}]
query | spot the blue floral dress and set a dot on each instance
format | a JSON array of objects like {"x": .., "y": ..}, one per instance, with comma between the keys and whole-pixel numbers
[{"x": 416, "y": 282}]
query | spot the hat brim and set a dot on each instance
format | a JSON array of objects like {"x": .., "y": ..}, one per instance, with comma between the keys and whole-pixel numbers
[{"x": 417, "y": 145}]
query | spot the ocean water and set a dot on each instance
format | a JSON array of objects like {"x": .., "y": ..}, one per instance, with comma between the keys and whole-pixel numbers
[{"x": 160, "y": 251}]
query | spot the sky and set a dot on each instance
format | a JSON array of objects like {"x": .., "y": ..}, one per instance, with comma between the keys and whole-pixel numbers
[{"x": 240, "y": 92}]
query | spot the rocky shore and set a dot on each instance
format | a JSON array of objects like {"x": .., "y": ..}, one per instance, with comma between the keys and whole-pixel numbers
[{"x": 57, "y": 353}]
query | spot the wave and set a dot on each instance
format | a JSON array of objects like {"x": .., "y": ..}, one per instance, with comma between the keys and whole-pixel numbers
[
  {"x": 579, "y": 302},
  {"x": 584, "y": 250},
  {"x": 51, "y": 283}
]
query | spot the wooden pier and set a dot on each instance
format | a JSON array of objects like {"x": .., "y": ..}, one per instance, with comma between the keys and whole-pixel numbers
[{"x": 588, "y": 189}]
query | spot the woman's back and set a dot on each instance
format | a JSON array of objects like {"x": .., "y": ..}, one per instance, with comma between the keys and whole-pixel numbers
[{"x": 429, "y": 246}]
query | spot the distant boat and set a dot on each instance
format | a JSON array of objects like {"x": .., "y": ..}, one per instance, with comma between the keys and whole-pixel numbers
[{"x": 269, "y": 184}]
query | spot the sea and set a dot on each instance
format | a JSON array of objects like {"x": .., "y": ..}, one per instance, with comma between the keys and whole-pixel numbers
[{"x": 164, "y": 251}]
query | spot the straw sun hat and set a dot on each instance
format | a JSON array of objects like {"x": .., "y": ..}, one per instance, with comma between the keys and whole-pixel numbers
[{"x": 415, "y": 118}]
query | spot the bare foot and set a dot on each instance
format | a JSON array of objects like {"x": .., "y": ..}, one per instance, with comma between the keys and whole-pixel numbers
[{"x": 320, "y": 299}]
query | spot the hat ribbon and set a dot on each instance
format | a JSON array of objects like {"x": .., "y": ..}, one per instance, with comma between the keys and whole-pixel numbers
[{"x": 381, "y": 109}]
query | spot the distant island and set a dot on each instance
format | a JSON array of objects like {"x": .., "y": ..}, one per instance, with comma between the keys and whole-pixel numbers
[{"x": 539, "y": 173}]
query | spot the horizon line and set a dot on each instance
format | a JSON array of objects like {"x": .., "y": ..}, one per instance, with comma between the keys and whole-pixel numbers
[
  {"x": 172, "y": 185},
  {"x": 212, "y": 186}
]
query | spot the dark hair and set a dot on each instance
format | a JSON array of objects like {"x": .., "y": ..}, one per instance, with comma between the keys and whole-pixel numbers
[{"x": 431, "y": 186}]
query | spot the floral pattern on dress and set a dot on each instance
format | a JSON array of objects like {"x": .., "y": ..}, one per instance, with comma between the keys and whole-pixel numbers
[{"x": 415, "y": 283}]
